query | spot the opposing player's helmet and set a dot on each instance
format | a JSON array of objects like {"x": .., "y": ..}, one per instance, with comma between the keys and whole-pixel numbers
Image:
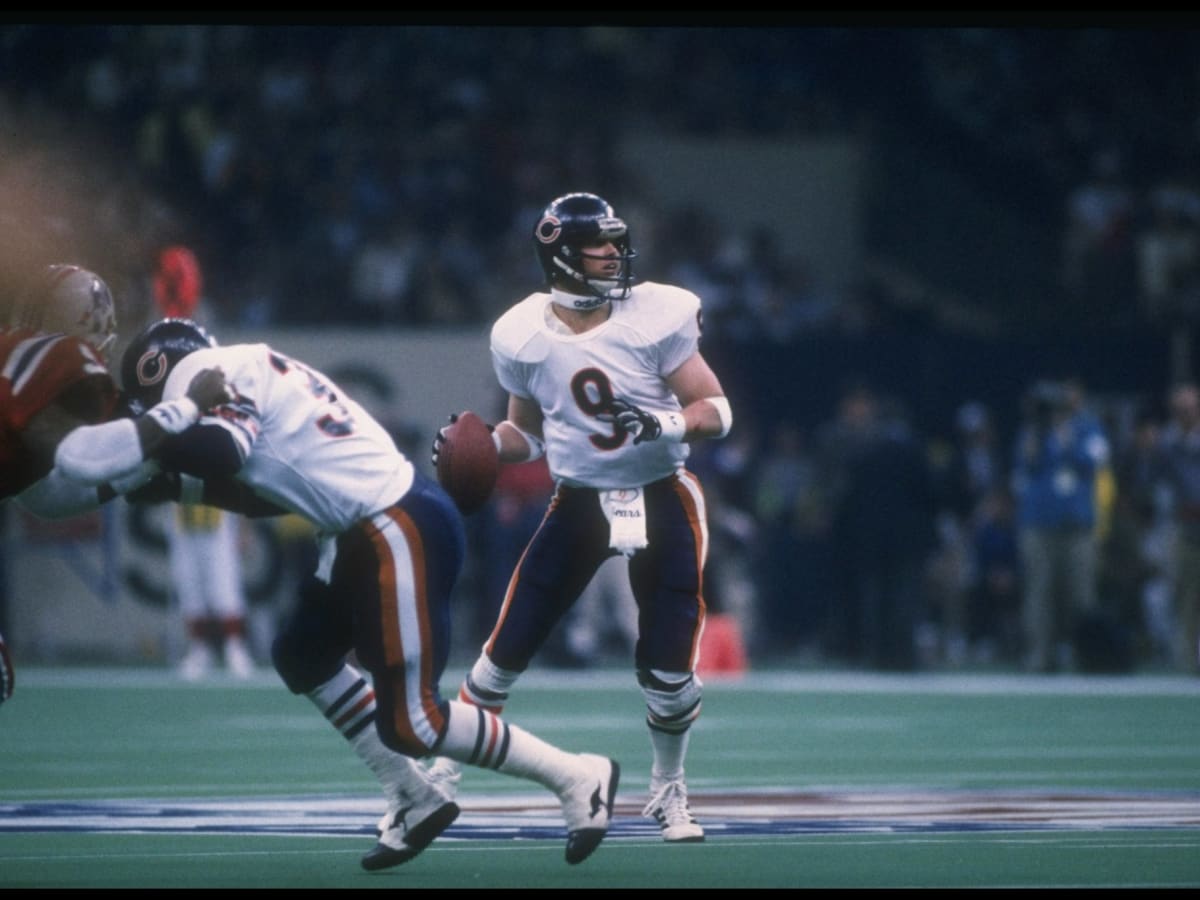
[
  {"x": 72, "y": 300},
  {"x": 151, "y": 356},
  {"x": 564, "y": 232}
]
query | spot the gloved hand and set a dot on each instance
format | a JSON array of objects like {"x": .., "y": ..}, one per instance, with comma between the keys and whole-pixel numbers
[
  {"x": 209, "y": 389},
  {"x": 644, "y": 426},
  {"x": 440, "y": 438}
]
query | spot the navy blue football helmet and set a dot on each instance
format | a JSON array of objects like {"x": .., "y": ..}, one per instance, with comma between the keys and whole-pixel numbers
[
  {"x": 562, "y": 235},
  {"x": 151, "y": 356}
]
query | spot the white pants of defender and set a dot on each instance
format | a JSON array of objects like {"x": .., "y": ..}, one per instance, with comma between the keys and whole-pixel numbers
[{"x": 206, "y": 567}]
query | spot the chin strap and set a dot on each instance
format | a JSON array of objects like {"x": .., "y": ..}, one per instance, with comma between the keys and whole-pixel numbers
[{"x": 580, "y": 302}]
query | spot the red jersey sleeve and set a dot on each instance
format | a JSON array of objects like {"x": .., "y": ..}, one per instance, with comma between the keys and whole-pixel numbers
[{"x": 40, "y": 370}]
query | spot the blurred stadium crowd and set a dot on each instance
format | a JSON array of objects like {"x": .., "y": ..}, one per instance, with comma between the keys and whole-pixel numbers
[{"x": 387, "y": 176}]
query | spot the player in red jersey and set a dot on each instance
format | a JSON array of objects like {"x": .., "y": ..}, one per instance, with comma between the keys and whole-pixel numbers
[
  {"x": 53, "y": 375},
  {"x": 53, "y": 378}
]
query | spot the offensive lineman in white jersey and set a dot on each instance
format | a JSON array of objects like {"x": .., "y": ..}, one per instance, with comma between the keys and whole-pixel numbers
[
  {"x": 285, "y": 438},
  {"x": 607, "y": 380}
]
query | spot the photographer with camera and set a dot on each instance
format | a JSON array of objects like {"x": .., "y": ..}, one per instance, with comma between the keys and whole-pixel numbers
[{"x": 1061, "y": 451}]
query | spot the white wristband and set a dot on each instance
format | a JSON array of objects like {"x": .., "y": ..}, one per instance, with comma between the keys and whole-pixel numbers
[
  {"x": 724, "y": 413},
  {"x": 672, "y": 424},
  {"x": 537, "y": 448},
  {"x": 176, "y": 415}
]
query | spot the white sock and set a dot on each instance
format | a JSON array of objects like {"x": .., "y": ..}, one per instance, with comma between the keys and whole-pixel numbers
[
  {"x": 347, "y": 700},
  {"x": 669, "y": 752},
  {"x": 477, "y": 737},
  {"x": 487, "y": 685}
]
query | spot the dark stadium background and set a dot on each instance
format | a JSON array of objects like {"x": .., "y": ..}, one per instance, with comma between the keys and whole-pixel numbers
[{"x": 881, "y": 203}]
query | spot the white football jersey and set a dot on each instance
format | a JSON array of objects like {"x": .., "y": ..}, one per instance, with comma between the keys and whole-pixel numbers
[
  {"x": 307, "y": 446},
  {"x": 649, "y": 335}
]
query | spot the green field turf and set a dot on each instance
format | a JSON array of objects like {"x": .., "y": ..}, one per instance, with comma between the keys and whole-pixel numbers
[{"x": 844, "y": 761}]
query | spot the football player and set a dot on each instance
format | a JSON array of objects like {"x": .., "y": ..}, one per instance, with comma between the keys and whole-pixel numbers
[
  {"x": 606, "y": 379},
  {"x": 391, "y": 550},
  {"x": 54, "y": 378}
]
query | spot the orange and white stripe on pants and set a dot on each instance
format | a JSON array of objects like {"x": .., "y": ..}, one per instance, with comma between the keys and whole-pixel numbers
[{"x": 405, "y": 627}]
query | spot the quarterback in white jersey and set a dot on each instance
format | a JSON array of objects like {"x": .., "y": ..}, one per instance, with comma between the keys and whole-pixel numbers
[
  {"x": 391, "y": 552},
  {"x": 574, "y": 377},
  {"x": 606, "y": 378}
]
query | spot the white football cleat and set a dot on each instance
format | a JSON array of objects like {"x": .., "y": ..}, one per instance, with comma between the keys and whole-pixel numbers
[
  {"x": 446, "y": 773},
  {"x": 415, "y": 817},
  {"x": 588, "y": 805},
  {"x": 669, "y": 807},
  {"x": 443, "y": 773},
  {"x": 238, "y": 659},
  {"x": 196, "y": 663}
]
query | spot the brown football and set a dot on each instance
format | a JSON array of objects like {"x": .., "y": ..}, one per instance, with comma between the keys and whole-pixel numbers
[{"x": 468, "y": 462}]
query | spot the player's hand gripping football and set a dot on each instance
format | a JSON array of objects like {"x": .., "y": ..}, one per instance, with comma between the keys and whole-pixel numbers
[
  {"x": 632, "y": 419},
  {"x": 439, "y": 439}
]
